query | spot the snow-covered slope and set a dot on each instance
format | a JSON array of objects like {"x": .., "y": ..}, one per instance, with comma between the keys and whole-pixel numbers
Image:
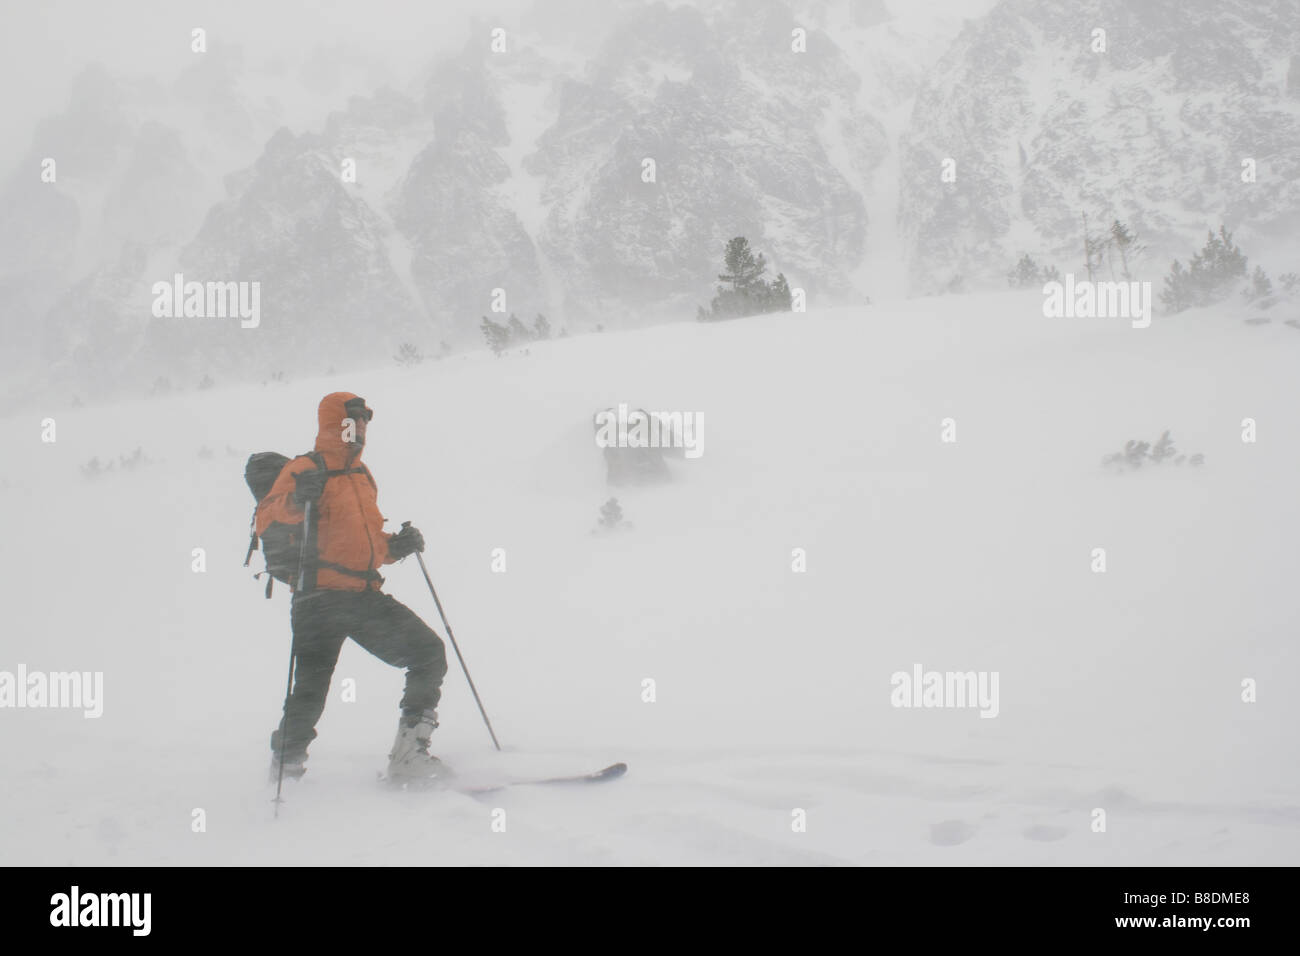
[{"x": 1119, "y": 691}]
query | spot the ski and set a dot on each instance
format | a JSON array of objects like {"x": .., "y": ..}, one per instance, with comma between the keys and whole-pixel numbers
[
  {"x": 448, "y": 783},
  {"x": 612, "y": 772}
]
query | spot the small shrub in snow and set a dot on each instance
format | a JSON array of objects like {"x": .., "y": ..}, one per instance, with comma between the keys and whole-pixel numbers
[
  {"x": 97, "y": 469},
  {"x": 611, "y": 517},
  {"x": 514, "y": 332},
  {"x": 1212, "y": 274},
  {"x": 1138, "y": 453},
  {"x": 1260, "y": 289},
  {"x": 408, "y": 355},
  {"x": 1028, "y": 275},
  {"x": 134, "y": 460}
]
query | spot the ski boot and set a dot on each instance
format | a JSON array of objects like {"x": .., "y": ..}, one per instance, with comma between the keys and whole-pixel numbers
[
  {"x": 294, "y": 767},
  {"x": 295, "y": 764},
  {"x": 410, "y": 762}
]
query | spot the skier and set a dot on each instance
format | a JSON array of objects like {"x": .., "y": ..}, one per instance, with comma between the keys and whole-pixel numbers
[{"x": 340, "y": 597}]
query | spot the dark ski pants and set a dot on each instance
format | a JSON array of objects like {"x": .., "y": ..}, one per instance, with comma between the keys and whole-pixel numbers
[{"x": 322, "y": 621}]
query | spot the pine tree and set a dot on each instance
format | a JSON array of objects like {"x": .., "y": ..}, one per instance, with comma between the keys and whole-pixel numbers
[
  {"x": 1177, "y": 292},
  {"x": 518, "y": 333},
  {"x": 497, "y": 336},
  {"x": 1217, "y": 264},
  {"x": 408, "y": 354},
  {"x": 1028, "y": 274},
  {"x": 779, "y": 296},
  {"x": 541, "y": 328},
  {"x": 1025, "y": 274},
  {"x": 1261, "y": 286},
  {"x": 749, "y": 293},
  {"x": 1095, "y": 249},
  {"x": 1089, "y": 246},
  {"x": 743, "y": 268},
  {"x": 1217, "y": 267},
  {"x": 1124, "y": 241}
]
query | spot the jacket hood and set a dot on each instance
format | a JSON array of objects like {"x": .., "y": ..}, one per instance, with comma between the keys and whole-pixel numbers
[{"x": 329, "y": 430}]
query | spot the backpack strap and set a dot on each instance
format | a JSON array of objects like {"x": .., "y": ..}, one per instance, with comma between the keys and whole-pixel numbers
[
  {"x": 252, "y": 546},
  {"x": 308, "y": 582},
  {"x": 370, "y": 575},
  {"x": 252, "y": 537},
  {"x": 319, "y": 459}
]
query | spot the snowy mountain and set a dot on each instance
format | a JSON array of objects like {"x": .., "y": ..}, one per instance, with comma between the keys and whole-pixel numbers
[
  {"x": 1044, "y": 125},
  {"x": 525, "y": 169},
  {"x": 520, "y": 171},
  {"x": 734, "y": 124},
  {"x": 139, "y": 164},
  {"x": 318, "y": 251},
  {"x": 466, "y": 236}
]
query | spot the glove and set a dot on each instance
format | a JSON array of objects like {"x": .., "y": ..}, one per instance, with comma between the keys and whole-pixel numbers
[
  {"x": 407, "y": 541},
  {"x": 308, "y": 487}
]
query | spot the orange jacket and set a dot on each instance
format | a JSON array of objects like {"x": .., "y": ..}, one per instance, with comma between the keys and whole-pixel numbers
[{"x": 349, "y": 528}]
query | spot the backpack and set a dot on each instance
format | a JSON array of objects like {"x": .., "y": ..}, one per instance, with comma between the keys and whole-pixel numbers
[{"x": 281, "y": 543}]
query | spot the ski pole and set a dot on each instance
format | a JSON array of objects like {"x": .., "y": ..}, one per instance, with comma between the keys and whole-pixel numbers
[
  {"x": 288, "y": 689},
  {"x": 293, "y": 651},
  {"x": 446, "y": 624}
]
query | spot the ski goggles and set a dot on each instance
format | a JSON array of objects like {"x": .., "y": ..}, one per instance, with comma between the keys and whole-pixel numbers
[{"x": 356, "y": 410}]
